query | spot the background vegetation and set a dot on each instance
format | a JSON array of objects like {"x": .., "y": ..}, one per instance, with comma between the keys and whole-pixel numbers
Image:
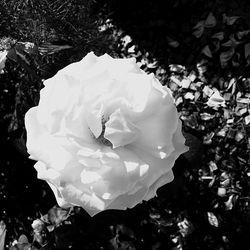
[{"x": 200, "y": 49}]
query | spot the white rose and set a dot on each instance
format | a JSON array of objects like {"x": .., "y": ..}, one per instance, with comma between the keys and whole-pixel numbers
[{"x": 105, "y": 134}]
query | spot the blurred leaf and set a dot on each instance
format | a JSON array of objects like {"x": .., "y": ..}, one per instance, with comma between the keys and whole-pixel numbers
[
  {"x": 49, "y": 49},
  {"x": 227, "y": 114},
  {"x": 222, "y": 132},
  {"x": 231, "y": 83},
  {"x": 189, "y": 96},
  {"x": 225, "y": 57},
  {"x": 240, "y": 111},
  {"x": 221, "y": 191},
  {"x": 40, "y": 232},
  {"x": 206, "y": 116},
  {"x": 192, "y": 76},
  {"x": 190, "y": 120},
  {"x": 175, "y": 80},
  {"x": 230, "y": 20},
  {"x": 225, "y": 183},
  {"x": 212, "y": 219},
  {"x": 124, "y": 238},
  {"x": 26, "y": 47},
  {"x": 2, "y": 235},
  {"x": 186, "y": 228},
  {"x": 230, "y": 121},
  {"x": 239, "y": 136},
  {"x": 12, "y": 54},
  {"x": 247, "y": 119},
  {"x": 241, "y": 34},
  {"x": 171, "y": 42},
  {"x": 178, "y": 101},
  {"x": 131, "y": 49},
  {"x": 216, "y": 100},
  {"x": 23, "y": 57},
  {"x": 57, "y": 215},
  {"x": 207, "y": 91},
  {"x": 2, "y": 60},
  {"x": 23, "y": 239},
  {"x": 206, "y": 51},
  {"x": 199, "y": 29},
  {"x": 22, "y": 244},
  {"x": 229, "y": 202},
  {"x": 212, "y": 166},
  {"x": 231, "y": 133},
  {"x": 232, "y": 42},
  {"x": 152, "y": 65},
  {"x": 243, "y": 100},
  {"x": 197, "y": 95},
  {"x": 227, "y": 96},
  {"x": 185, "y": 83},
  {"x": 202, "y": 68},
  {"x": 210, "y": 21},
  {"x": 247, "y": 50},
  {"x": 176, "y": 68},
  {"x": 207, "y": 139},
  {"x": 218, "y": 35},
  {"x": 14, "y": 122}
]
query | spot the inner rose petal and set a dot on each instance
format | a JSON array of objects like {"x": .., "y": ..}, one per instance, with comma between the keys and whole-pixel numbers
[
  {"x": 94, "y": 120},
  {"x": 120, "y": 131}
]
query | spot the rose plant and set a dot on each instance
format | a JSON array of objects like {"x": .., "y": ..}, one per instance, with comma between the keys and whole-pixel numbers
[{"x": 105, "y": 134}]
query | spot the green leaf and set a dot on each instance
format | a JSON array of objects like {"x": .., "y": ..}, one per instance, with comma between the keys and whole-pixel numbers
[
  {"x": 226, "y": 56},
  {"x": 212, "y": 219},
  {"x": 230, "y": 20},
  {"x": 210, "y": 21},
  {"x": 2, "y": 234},
  {"x": 247, "y": 119},
  {"x": 242, "y": 34},
  {"x": 49, "y": 49},
  {"x": 247, "y": 50},
  {"x": 206, "y": 51},
  {"x": 185, "y": 83},
  {"x": 221, "y": 192},
  {"x": 218, "y": 35},
  {"x": 198, "y": 29}
]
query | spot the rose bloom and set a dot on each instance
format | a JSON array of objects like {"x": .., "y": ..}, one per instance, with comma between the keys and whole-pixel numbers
[{"x": 105, "y": 134}]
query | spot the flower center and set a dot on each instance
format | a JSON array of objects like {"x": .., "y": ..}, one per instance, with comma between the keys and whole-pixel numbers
[{"x": 101, "y": 139}]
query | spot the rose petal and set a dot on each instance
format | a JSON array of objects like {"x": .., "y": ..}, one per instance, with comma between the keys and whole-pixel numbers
[
  {"x": 57, "y": 99},
  {"x": 128, "y": 201},
  {"x": 43, "y": 146},
  {"x": 164, "y": 179},
  {"x": 157, "y": 129},
  {"x": 119, "y": 131},
  {"x": 157, "y": 165},
  {"x": 94, "y": 121}
]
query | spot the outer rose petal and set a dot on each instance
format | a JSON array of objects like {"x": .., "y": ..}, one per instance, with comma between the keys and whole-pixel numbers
[
  {"x": 42, "y": 146},
  {"x": 164, "y": 179},
  {"x": 105, "y": 134}
]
